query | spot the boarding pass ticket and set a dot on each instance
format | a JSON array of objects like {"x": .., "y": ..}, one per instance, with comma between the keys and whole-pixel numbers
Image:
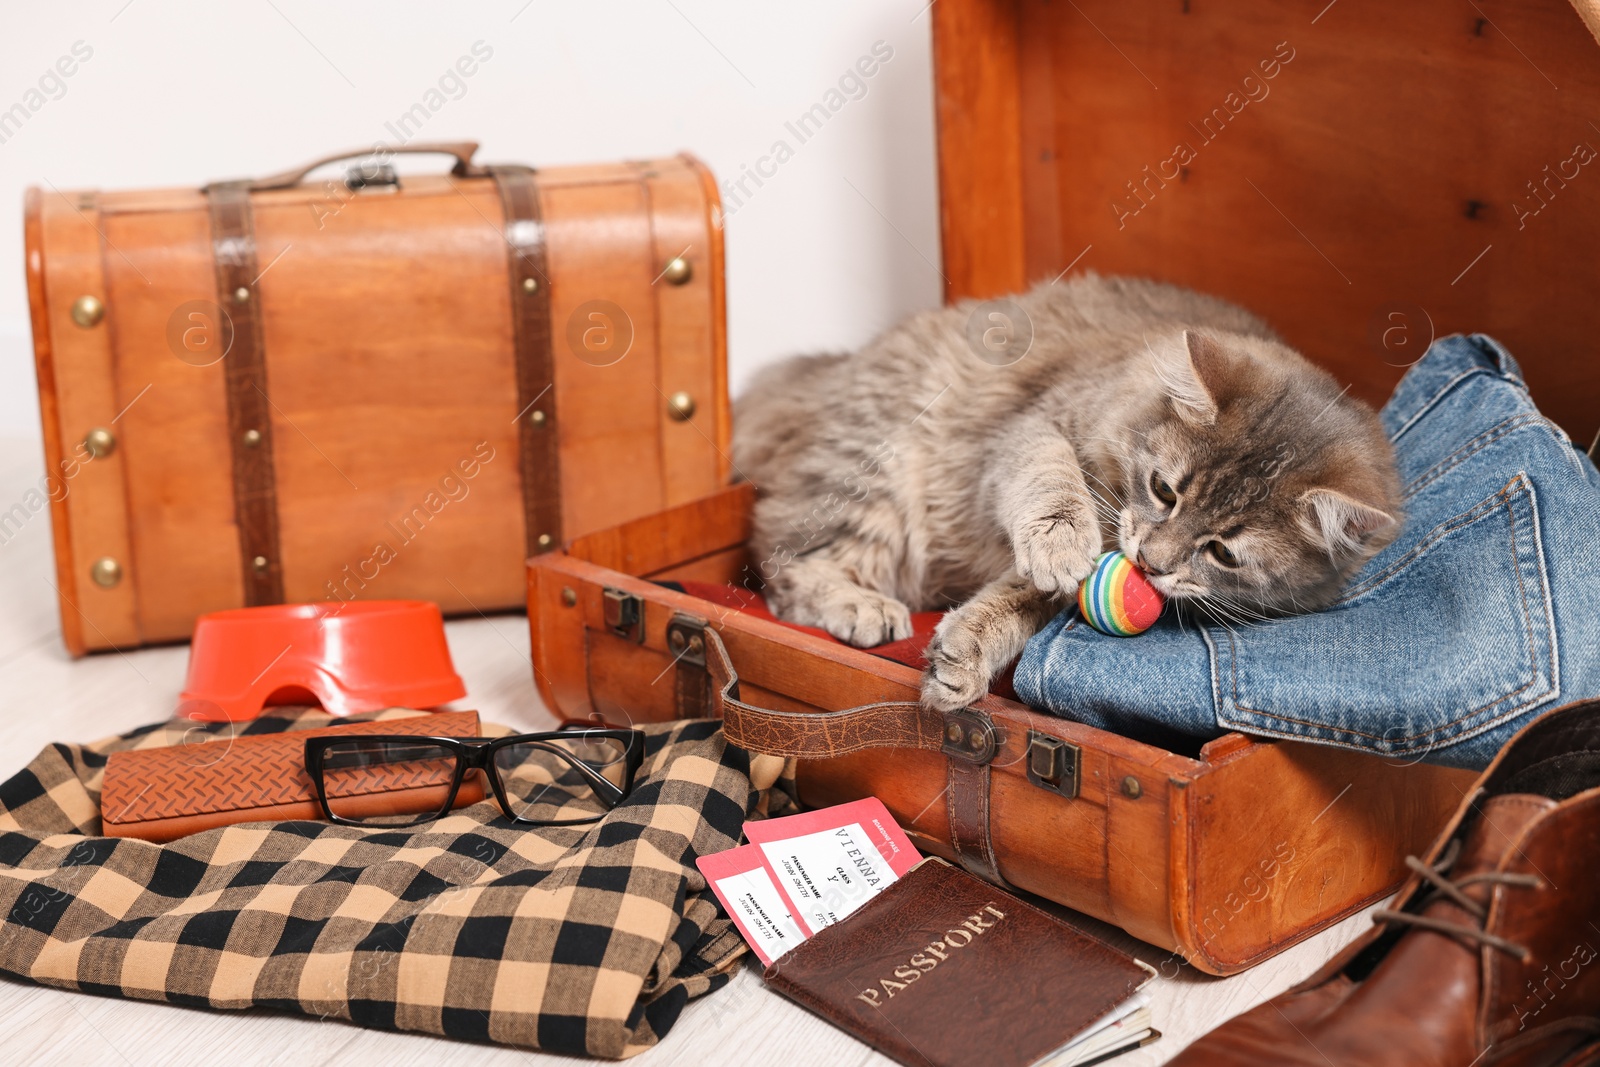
[{"x": 803, "y": 872}]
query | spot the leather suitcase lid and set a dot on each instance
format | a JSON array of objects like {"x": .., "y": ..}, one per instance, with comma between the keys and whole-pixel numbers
[{"x": 1366, "y": 176}]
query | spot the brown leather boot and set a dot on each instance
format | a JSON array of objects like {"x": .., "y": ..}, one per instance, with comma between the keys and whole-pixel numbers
[{"x": 1490, "y": 953}]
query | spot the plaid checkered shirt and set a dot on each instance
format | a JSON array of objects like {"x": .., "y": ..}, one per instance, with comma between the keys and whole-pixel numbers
[{"x": 582, "y": 939}]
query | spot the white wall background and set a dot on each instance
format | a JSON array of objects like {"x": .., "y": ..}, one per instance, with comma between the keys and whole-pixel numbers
[{"x": 837, "y": 245}]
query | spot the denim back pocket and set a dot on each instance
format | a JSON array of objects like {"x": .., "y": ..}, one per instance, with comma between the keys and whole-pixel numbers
[{"x": 1445, "y": 642}]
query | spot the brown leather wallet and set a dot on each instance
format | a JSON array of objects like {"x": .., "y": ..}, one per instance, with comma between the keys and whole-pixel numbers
[{"x": 158, "y": 794}]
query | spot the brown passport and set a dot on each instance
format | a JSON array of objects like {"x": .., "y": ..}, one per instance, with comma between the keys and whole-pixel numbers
[
  {"x": 159, "y": 794},
  {"x": 943, "y": 969}
]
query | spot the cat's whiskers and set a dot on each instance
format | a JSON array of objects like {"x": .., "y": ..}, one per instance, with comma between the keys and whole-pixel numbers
[
  {"x": 1234, "y": 602},
  {"x": 1213, "y": 612},
  {"x": 1219, "y": 607},
  {"x": 1236, "y": 609},
  {"x": 1109, "y": 514}
]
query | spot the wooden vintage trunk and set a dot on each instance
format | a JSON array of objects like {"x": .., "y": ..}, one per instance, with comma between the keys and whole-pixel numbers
[
  {"x": 1367, "y": 176},
  {"x": 297, "y": 390}
]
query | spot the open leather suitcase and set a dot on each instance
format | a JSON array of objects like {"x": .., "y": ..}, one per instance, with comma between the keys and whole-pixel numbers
[
  {"x": 378, "y": 385},
  {"x": 1365, "y": 176},
  {"x": 1226, "y": 855}
]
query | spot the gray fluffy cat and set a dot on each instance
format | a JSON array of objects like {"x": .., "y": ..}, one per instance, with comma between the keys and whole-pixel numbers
[{"x": 929, "y": 470}]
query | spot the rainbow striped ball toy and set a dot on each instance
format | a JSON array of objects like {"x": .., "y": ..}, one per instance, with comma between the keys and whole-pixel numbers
[{"x": 1117, "y": 598}]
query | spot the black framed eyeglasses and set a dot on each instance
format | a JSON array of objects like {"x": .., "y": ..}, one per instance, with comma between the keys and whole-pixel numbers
[{"x": 556, "y": 778}]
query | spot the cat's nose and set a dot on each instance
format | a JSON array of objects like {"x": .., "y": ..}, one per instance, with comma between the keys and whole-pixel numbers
[{"x": 1149, "y": 568}]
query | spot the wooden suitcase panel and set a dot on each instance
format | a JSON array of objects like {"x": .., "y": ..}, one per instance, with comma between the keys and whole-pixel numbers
[
  {"x": 694, "y": 459},
  {"x": 604, "y": 332},
  {"x": 383, "y": 402},
  {"x": 390, "y": 367},
  {"x": 173, "y": 433}
]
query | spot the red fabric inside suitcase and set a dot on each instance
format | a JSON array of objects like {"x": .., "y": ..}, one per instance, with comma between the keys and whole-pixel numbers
[{"x": 907, "y": 650}]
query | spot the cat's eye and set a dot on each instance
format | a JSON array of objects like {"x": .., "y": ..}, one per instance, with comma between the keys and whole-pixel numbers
[
  {"x": 1162, "y": 491},
  {"x": 1222, "y": 554}
]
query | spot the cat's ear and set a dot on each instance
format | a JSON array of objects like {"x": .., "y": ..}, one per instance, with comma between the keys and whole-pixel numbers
[
  {"x": 1343, "y": 523},
  {"x": 1194, "y": 382}
]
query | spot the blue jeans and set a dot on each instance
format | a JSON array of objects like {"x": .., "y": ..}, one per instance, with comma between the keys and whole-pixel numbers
[{"x": 1483, "y": 611}]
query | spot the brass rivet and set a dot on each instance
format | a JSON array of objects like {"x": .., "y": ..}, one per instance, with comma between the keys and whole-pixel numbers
[
  {"x": 953, "y": 732},
  {"x": 106, "y": 572},
  {"x": 241, "y": 294},
  {"x": 678, "y": 270},
  {"x": 100, "y": 442},
  {"x": 530, "y": 285},
  {"x": 1131, "y": 788},
  {"x": 696, "y": 645},
  {"x": 675, "y": 639},
  {"x": 569, "y": 596},
  {"x": 87, "y": 311},
  {"x": 260, "y": 563},
  {"x": 252, "y": 438},
  {"x": 681, "y": 406},
  {"x": 537, "y": 418},
  {"x": 976, "y": 741},
  {"x": 545, "y": 540}
]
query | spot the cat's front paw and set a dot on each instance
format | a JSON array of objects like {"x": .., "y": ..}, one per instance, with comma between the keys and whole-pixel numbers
[
  {"x": 863, "y": 618},
  {"x": 1056, "y": 552},
  {"x": 956, "y": 674}
]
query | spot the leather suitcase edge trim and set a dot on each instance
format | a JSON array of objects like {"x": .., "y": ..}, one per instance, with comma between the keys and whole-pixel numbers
[
  {"x": 50, "y": 414},
  {"x": 94, "y": 616},
  {"x": 723, "y": 428}
]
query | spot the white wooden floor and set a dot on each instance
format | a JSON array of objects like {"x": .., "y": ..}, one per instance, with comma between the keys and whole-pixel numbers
[{"x": 45, "y": 697}]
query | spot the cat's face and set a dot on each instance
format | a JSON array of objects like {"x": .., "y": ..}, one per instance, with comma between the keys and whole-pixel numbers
[{"x": 1253, "y": 486}]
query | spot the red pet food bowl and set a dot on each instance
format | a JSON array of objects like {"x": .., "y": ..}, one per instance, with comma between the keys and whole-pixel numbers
[{"x": 351, "y": 657}]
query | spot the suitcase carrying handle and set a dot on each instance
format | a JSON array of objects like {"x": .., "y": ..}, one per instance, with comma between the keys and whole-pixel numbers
[
  {"x": 968, "y": 740},
  {"x": 463, "y": 151},
  {"x": 813, "y": 735}
]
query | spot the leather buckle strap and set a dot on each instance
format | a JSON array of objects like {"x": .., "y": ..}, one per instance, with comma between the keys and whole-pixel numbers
[
  {"x": 530, "y": 319},
  {"x": 814, "y": 735},
  {"x": 888, "y": 724},
  {"x": 967, "y": 798},
  {"x": 255, "y": 491},
  {"x": 686, "y": 641}
]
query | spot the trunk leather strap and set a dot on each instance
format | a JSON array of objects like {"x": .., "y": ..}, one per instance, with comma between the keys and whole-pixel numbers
[
  {"x": 255, "y": 491},
  {"x": 967, "y": 799},
  {"x": 537, "y": 427},
  {"x": 694, "y": 690},
  {"x": 887, "y": 724}
]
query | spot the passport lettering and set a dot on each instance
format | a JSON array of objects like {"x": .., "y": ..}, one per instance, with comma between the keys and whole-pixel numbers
[{"x": 934, "y": 953}]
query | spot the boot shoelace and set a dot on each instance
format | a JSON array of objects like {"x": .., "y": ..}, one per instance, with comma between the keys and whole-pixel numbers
[{"x": 1445, "y": 887}]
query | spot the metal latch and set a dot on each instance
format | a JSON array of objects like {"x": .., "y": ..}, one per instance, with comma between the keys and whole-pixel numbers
[
  {"x": 624, "y": 614},
  {"x": 686, "y": 640},
  {"x": 372, "y": 176},
  {"x": 969, "y": 736},
  {"x": 1054, "y": 764}
]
